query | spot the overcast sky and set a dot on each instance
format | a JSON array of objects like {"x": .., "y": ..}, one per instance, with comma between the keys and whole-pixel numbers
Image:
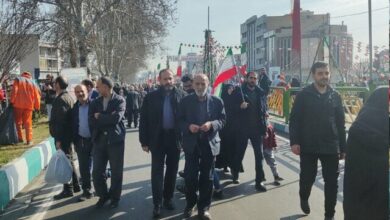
[{"x": 227, "y": 15}]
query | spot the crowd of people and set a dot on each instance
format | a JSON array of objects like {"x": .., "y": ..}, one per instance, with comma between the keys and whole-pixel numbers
[{"x": 213, "y": 132}]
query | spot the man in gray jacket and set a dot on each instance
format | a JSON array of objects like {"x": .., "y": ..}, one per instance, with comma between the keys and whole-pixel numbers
[
  {"x": 201, "y": 117},
  {"x": 106, "y": 119}
]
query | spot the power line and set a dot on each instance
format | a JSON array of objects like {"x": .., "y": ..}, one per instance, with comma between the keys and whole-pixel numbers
[{"x": 360, "y": 13}]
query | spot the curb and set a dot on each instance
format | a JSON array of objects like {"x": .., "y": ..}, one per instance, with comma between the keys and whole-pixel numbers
[
  {"x": 279, "y": 126},
  {"x": 17, "y": 174}
]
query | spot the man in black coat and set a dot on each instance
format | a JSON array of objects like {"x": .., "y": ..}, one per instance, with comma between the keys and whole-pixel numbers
[
  {"x": 82, "y": 138},
  {"x": 106, "y": 119},
  {"x": 317, "y": 132},
  {"x": 202, "y": 117},
  {"x": 251, "y": 115},
  {"x": 366, "y": 180},
  {"x": 159, "y": 134},
  {"x": 60, "y": 125},
  {"x": 133, "y": 102}
]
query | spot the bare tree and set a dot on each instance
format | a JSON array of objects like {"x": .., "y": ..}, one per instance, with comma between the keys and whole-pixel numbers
[
  {"x": 129, "y": 33},
  {"x": 18, "y": 27},
  {"x": 120, "y": 33}
]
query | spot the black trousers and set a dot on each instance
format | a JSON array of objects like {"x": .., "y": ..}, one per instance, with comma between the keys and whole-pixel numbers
[
  {"x": 330, "y": 173},
  {"x": 199, "y": 170},
  {"x": 103, "y": 152},
  {"x": 163, "y": 186},
  {"x": 132, "y": 116},
  {"x": 241, "y": 145},
  {"x": 83, "y": 148},
  {"x": 66, "y": 146}
]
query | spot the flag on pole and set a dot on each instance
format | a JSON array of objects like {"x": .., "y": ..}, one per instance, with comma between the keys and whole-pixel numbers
[
  {"x": 243, "y": 60},
  {"x": 179, "y": 68},
  {"x": 227, "y": 71}
]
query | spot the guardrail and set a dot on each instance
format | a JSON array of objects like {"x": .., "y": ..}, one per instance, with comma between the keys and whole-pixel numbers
[{"x": 280, "y": 101}]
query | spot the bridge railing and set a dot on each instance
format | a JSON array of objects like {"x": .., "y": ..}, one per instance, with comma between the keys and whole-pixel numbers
[{"x": 280, "y": 101}]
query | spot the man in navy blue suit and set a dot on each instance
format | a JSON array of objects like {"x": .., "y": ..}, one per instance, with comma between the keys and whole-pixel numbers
[{"x": 201, "y": 117}]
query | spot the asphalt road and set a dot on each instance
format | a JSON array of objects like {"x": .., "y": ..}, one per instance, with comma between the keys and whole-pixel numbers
[{"x": 239, "y": 202}]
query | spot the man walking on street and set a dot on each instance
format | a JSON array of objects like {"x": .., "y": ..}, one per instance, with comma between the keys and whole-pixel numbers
[
  {"x": 160, "y": 134},
  {"x": 133, "y": 102},
  {"x": 252, "y": 126},
  {"x": 317, "y": 132},
  {"x": 60, "y": 126},
  {"x": 106, "y": 118},
  {"x": 82, "y": 138},
  {"x": 25, "y": 98},
  {"x": 201, "y": 117}
]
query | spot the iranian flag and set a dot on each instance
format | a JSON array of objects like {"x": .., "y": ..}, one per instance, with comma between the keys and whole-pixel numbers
[
  {"x": 179, "y": 67},
  {"x": 243, "y": 60},
  {"x": 227, "y": 71}
]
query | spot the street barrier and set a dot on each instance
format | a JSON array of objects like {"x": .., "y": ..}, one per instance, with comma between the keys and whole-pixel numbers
[{"x": 281, "y": 100}]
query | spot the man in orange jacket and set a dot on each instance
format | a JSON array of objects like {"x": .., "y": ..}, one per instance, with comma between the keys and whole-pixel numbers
[{"x": 25, "y": 97}]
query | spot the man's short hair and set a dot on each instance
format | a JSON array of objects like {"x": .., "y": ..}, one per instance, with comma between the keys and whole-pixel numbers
[
  {"x": 187, "y": 78},
  {"x": 87, "y": 83},
  {"x": 318, "y": 64},
  {"x": 165, "y": 70},
  {"x": 62, "y": 82},
  {"x": 107, "y": 81},
  {"x": 249, "y": 73}
]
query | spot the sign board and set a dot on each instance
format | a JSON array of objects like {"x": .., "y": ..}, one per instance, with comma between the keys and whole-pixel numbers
[
  {"x": 74, "y": 77},
  {"x": 273, "y": 72}
]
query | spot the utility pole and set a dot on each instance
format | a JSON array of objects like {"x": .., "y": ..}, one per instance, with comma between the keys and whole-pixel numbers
[
  {"x": 370, "y": 36},
  {"x": 208, "y": 59}
]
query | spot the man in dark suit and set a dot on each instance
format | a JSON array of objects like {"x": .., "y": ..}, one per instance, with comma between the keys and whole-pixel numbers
[
  {"x": 133, "y": 102},
  {"x": 160, "y": 134},
  {"x": 106, "y": 119},
  {"x": 60, "y": 124},
  {"x": 252, "y": 127},
  {"x": 82, "y": 138},
  {"x": 201, "y": 117}
]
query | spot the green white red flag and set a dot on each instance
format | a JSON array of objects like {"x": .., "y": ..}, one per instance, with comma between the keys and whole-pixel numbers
[
  {"x": 243, "y": 66},
  {"x": 179, "y": 67},
  {"x": 227, "y": 71}
]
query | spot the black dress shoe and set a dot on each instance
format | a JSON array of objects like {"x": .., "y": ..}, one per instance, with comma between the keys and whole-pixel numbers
[
  {"x": 278, "y": 178},
  {"x": 260, "y": 187},
  {"x": 85, "y": 196},
  {"x": 114, "y": 204},
  {"x": 168, "y": 204},
  {"x": 64, "y": 194},
  {"x": 204, "y": 215},
  {"x": 188, "y": 212},
  {"x": 102, "y": 201},
  {"x": 305, "y": 206},
  {"x": 276, "y": 183},
  {"x": 76, "y": 189},
  {"x": 156, "y": 211},
  {"x": 329, "y": 218}
]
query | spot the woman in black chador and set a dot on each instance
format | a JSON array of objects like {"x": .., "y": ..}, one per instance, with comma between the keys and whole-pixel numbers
[{"x": 366, "y": 181}]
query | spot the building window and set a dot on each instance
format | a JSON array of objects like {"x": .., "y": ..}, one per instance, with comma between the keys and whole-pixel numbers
[{"x": 244, "y": 35}]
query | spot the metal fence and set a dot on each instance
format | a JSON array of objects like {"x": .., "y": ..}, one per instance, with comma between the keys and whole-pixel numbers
[{"x": 280, "y": 101}]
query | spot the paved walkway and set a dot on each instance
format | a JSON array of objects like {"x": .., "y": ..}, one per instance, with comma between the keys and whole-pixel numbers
[{"x": 240, "y": 202}]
